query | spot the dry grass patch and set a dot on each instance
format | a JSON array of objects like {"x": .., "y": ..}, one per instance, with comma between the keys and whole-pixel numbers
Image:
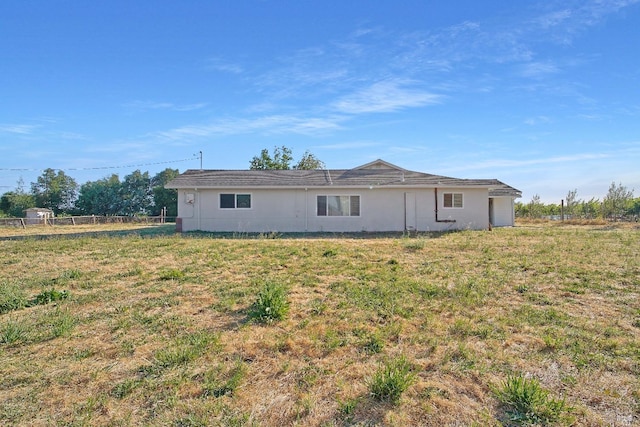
[{"x": 157, "y": 330}]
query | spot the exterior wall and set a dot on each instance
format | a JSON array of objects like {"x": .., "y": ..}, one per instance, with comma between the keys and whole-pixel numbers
[
  {"x": 473, "y": 215},
  {"x": 503, "y": 212},
  {"x": 294, "y": 210}
]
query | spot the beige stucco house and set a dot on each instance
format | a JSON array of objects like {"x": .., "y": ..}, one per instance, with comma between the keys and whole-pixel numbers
[{"x": 377, "y": 196}]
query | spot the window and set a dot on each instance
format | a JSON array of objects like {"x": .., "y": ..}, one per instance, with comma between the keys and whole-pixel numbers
[
  {"x": 235, "y": 201},
  {"x": 338, "y": 205},
  {"x": 452, "y": 200}
]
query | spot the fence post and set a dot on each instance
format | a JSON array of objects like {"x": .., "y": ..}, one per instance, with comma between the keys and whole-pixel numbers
[{"x": 22, "y": 222}]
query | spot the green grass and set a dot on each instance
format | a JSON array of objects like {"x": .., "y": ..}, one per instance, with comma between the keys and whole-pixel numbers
[
  {"x": 206, "y": 329},
  {"x": 271, "y": 304},
  {"x": 391, "y": 379},
  {"x": 530, "y": 404}
]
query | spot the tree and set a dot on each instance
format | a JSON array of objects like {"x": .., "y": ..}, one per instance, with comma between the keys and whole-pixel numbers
[
  {"x": 536, "y": 207},
  {"x": 571, "y": 202},
  {"x": 14, "y": 203},
  {"x": 281, "y": 159},
  {"x": 615, "y": 204},
  {"x": 100, "y": 197},
  {"x": 309, "y": 162},
  {"x": 164, "y": 197},
  {"x": 590, "y": 209},
  {"x": 55, "y": 191},
  {"x": 136, "y": 194}
]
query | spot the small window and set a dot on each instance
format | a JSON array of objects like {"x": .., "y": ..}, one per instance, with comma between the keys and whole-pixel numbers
[
  {"x": 235, "y": 201},
  {"x": 338, "y": 205},
  {"x": 452, "y": 200}
]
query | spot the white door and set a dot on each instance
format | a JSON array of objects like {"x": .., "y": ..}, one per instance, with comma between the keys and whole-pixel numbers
[{"x": 409, "y": 211}]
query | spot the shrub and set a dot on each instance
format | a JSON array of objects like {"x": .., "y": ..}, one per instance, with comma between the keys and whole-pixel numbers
[
  {"x": 391, "y": 380},
  {"x": 529, "y": 403},
  {"x": 271, "y": 304}
]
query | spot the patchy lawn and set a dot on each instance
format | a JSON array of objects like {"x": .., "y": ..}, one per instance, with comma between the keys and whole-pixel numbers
[{"x": 140, "y": 326}]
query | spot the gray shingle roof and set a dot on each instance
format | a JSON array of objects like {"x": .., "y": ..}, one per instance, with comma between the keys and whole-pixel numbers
[{"x": 357, "y": 177}]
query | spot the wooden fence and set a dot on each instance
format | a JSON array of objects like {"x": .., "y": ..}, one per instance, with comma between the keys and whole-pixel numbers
[{"x": 83, "y": 220}]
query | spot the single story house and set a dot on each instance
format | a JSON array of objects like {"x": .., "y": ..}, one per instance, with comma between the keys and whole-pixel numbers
[{"x": 377, "y": 196}]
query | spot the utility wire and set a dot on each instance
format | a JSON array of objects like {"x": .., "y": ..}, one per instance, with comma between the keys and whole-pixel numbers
[{"x": 99, "y": 167}]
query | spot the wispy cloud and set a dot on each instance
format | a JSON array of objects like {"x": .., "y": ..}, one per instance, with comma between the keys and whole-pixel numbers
[
  {"x": 349, "y": 145},
  {"x": 274, "y": 124},
  {"x": 222, "y": 65},
  {"x": 386, "y": 96},
  {"x": 538, "y": 69},
  {"x": 18, "y": 129},
  {"x": 155, "y": 105},
  {"x": 564, "y": 24},
  {"x": 517, "y": 163},
  {"x": 532, "y": 121}
]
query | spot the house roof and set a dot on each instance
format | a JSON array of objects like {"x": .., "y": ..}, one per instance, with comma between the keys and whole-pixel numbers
[{"x": 375, "y": 174}]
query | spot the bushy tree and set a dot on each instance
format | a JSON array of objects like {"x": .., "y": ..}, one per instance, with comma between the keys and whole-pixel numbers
[
  {"x": 136, "y": 194},
  {"x": 536, "y": 208},
  {"x": 282, "y": 158},
  {"x": 56, "y": 191},
  {"x": 617, "y": 201},
  {"x": 590, "y": 209},
  {"x": 571, "y": 202},
  {"x": 100, "y": 197},
  {"x": 309, "y": 162},
  {"x": 164, "y": 197},
  {"x": 14, "y": 203}
]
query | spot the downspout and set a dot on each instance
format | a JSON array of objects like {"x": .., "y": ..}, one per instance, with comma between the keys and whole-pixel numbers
[{"x": 435, "y": 192}]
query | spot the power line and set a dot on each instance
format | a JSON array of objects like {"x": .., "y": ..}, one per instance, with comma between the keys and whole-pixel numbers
[{"x": 100, "y": 167}]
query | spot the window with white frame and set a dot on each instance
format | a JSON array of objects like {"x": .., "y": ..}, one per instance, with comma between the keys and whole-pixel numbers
[
  {"x": 235, "y": 201},
  {"x": 452, "y": 200},
  {"x": 338, "y": 205}
]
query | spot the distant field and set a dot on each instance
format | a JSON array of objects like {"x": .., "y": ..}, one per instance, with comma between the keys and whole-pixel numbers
[{"x": 139, "y": 326}]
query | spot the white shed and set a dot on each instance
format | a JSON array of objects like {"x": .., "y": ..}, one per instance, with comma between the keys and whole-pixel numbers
[{"x": 38, "y": 215}]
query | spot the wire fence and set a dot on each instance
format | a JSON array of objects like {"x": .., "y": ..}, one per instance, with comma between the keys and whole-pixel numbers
[{"x": 83, "y": 220}]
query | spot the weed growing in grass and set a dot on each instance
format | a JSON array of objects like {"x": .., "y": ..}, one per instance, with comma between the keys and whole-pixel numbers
[
  {"x": 12, "y": 297},
  {"x": 12, "y": 332},
  {"x": 529, "y": 403},
  {"x": 271, "y": 304},
  {"x": 392, "y": 379},
  {"x": 172, "y": 275},
  {"x": 48, "y": 296},
  {"x": 186, "y": 348},
  {"x": 215, "y": 387},
  {"x": 62, "y": 323},
  {"x": 124, "y": 388},
  {"x": 414, "y": 244},
  {"x": 373, "y": 344},
  {"x": 347, "y": 409}
]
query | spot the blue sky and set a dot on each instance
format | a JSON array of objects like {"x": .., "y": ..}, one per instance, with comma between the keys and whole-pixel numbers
[{"x": 543, "y": 95}]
